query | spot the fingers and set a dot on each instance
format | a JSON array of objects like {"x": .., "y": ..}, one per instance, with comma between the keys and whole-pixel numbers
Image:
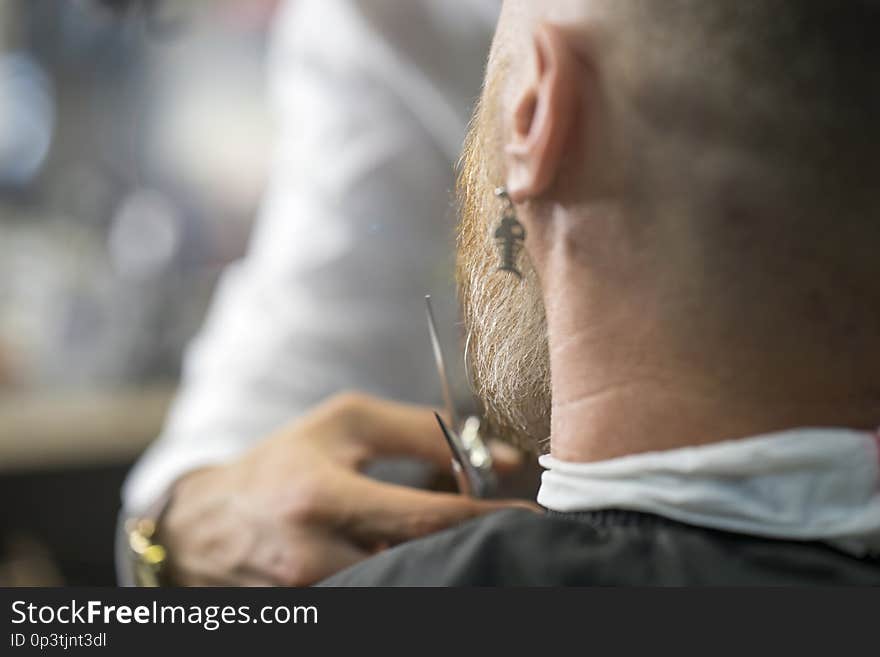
[
  {"x": 505, "y": 458},
  {"x": 379, "y": 512},
  {"x": 387, "y": 428},
  {"x": 373, "y": 427}
]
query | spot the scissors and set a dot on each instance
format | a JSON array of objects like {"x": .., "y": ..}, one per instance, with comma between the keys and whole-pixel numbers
[{"x": 471, "y": 458}]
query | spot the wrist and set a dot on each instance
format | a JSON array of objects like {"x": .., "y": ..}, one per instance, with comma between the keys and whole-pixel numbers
[{"x": 147, "y": 538}]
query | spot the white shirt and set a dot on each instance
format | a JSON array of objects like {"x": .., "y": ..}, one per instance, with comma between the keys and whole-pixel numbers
[
  {"x": 372, "y": 99},
  {"x": 803, "y": 484}
]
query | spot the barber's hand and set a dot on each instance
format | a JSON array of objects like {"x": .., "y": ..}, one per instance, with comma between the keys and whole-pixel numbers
[{"x": 296, "y": 509}]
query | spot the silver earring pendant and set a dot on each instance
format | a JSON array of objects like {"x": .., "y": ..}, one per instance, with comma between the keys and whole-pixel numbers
[{"x": 509, "y": 236}]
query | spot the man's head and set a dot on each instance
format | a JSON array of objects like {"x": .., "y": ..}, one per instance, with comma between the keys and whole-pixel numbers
[{"x": 696, "y": 180}]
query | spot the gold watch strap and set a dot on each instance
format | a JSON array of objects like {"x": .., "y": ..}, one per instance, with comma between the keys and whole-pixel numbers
[{"x": 148, "y": 557}]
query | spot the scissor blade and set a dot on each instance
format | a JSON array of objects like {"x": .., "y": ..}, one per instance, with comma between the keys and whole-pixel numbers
[
  {"x": 459, "y": 466},
  {"x": 441, "y": 364}
]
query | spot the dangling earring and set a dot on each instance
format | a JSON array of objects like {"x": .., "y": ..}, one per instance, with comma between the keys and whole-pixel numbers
[{"x": 509, "y": 235}]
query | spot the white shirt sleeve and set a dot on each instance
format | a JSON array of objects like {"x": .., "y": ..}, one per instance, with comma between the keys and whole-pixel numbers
[{"x": 372, "y": 99}]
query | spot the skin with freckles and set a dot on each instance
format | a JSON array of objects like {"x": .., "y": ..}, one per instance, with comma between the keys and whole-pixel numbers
[{"x": 693, "y": 272}]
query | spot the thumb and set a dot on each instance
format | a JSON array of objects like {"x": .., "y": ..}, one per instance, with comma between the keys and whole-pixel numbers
[{"x": 505, "y": 457}]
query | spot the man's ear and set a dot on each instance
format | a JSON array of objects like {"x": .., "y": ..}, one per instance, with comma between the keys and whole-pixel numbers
[{"x": 543, "y": 116}]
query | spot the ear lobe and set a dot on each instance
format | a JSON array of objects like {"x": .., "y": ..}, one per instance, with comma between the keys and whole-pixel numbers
[{"x": 542, "y": 117}]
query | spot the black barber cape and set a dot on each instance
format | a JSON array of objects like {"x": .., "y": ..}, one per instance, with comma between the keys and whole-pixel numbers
[{"x": 604, "y": 548}]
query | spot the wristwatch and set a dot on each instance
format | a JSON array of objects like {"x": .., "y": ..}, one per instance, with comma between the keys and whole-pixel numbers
[{"x": 148, "y": 558}]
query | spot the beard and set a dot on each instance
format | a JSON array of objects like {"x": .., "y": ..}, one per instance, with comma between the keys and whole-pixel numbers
[{"x": 507, "y": 352}]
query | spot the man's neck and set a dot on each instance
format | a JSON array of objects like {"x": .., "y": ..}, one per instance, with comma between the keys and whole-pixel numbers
[
  {"x": 598, "y": 414},
  {"x": 621, "y": 386}
]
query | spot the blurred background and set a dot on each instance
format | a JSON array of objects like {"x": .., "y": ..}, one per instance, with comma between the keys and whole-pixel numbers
[{"x": 134, "y": 145}]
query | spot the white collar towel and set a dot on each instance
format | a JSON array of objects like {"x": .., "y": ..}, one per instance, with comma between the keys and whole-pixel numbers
[{"x": 803, "y": 484}]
